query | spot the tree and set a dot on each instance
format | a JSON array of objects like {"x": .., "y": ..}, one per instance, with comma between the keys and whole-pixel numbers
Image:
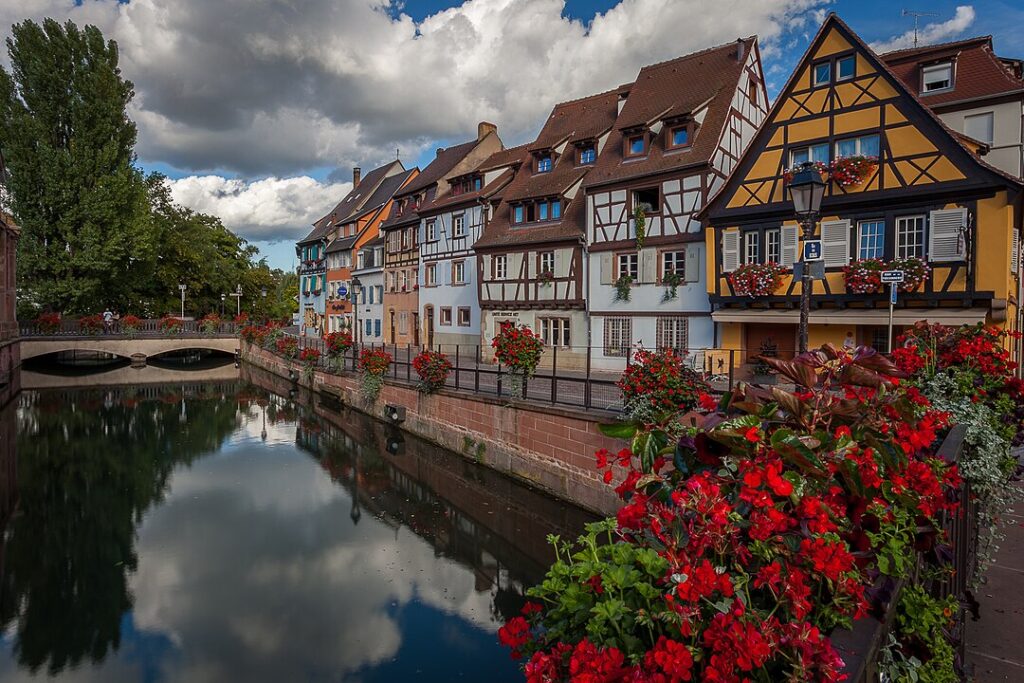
[{"x": 75, "y": 191}]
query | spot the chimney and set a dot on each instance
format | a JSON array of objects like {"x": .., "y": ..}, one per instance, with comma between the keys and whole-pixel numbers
[
  {"x": 438, "y": 152},
  {"x": 483, "y": 128},
  {"x": 741, "y": 47},
  {"x": 357, "y": 173}
]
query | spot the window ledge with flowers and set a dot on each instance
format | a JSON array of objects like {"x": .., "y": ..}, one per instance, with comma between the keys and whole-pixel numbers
[
  {"x": 864, "y": 276},
  {"x": 757, "y": 279}
]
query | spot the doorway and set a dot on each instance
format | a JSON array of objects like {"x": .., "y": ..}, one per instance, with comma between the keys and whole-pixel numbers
[
  {"x": 415, "y": 329},
  {"x": 428, "y": 313},
  {"x": 392, "y": 325}
]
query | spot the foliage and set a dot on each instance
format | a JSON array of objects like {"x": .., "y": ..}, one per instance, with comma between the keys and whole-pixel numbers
[
  {"x": 820, "y": 166},
  {"x": 169, "y": 324},
  {"x": 373, "y": 365},
  {"x": 640, "y": 223},
  {"x": 853, "y": 170},
  {"x": 657, "y": 382},
  {"x": 338, "y": 343},
  {"x": 433, "y": 367},
  {"x": 768, "y": 349},
  {"x": 915, "y": 272},
  {"x": 864, "y": 276},
  {"x": 920, "y": 650},
  {"x": 671, "y": 280},
  {"x": 90, "y": 324},
  {"x": 241, "y": 319},
  {"x": 757, "y": 279},
  {"x": 130, "y": 325},
  {"x": 48, "y": 323},
  {"x": 749, "y": 530},
  {"x": 287, "y": 346},
  {"x": 310, "y": 357},
  {"x": 519, "y": 348},
  {"x": 209, "y": 324},
  {"x": 546, "y": 277},
  {"x": 623, "y": 288}
]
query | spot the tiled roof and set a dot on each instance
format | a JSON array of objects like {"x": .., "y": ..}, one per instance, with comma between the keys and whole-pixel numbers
[
  {"x": 979, "y": 72},
  {"x": 584, "y": 119},
  {"x": 352, "y": 202},
  {"x": 384, "y": 192},
  {"x": 486, "y": 192},
  {"x": 341, "y": 244},
  {"x": 445, "y": 161},
  {"x": 672, "y": 89},
  {"x": 507, "y": 157},
  {"x": 399, "y": 218},
  {"x": 501, "y": 232}
]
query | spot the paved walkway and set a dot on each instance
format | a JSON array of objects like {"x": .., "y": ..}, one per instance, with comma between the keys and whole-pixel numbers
[{"x": 995, "y": 643}]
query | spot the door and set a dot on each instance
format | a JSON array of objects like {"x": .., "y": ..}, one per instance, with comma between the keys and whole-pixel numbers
[
  {"x": 415, "y": 329},
  {"x": 774, "y": 339},
  {"x": 428, "y": 313},
  {"x": 392, "y": 327}
]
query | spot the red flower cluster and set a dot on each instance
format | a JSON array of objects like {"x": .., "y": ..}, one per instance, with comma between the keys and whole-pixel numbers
[
  {"x": 518, "y": 347},
  {"x": 374, "y": 361},
  {"x": 433, "y": 367},
  {"x": 662, "y": 380},
  {"x": 309, "y": 356},
  {"x": 90, "y": 324},
  {"x": 338, "y": 343},
  {"x": 287, "y": 346},
  {"x": 131, "y": 322},
  {"x": 853, "y": 170},
  {"x": 864, "y": 276},
  {"x": 169, "y": 324},
  {"x": 757, "y": 279},
  {"x": 48, "y": 323}
]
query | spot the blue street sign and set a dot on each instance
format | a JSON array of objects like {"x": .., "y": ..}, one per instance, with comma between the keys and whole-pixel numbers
[
  {"x": 812, "y": 250},
  {"x": 892, "y": 293},
  {"x": 342, "y": 291},
  {"x": 892, "y": 277}
]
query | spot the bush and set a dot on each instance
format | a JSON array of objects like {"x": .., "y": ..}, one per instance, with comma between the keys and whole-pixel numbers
[
  {"x": 433, "y": 367},
  {"x": 338, "y": 344},
  {"x": 287, "y": 346},
  {"x": 170, "y": 324},
  {"x": 91, "y": 324},
  {"x": 48, "y": 323},
  {"x": 209, "y": 324},
  {"x": 310, "y": 357},
  {"x": 656, "y": 383},
  {"x": 373, "y": 365},
  {"x": 130, "y": 325}
]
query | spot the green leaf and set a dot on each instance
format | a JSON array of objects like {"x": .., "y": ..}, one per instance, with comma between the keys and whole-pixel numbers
[{"x": 618, "y": 430}]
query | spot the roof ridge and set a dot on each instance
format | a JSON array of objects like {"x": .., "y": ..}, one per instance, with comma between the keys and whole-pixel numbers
[
  {"x": 933, "y": 46},
  {"x": 698, "y": 53},
  {"x": 590, "y": 97}
]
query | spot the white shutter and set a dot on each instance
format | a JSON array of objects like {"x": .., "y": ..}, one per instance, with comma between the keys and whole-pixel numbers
[
  {"x": 648, "y": 266},
  {"x": 1015, "y": 251},
  {"x": 835, "y": 242},
  {"x": 606, "y": 268},
  {"x": 945, "y": 234},
  {"x": 730, "y": 250},
  {"x": 559, "y": 257},
  {"x": 691, "y": 271},
  {"x": 444, "y": 269},
  {"x": 790, "y": 247}
]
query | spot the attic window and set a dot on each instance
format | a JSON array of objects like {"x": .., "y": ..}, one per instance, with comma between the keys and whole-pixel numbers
[
  {"x": 588, "y": 154},
  {"x": 846, "y": 68},
  {"x": 679, "y": 136},
  {"x": 635, "y": 145},
  {"x": 936, "y": 78},
  {"x": 823, "y": 73},
  {"x": 544, "y": 164}
]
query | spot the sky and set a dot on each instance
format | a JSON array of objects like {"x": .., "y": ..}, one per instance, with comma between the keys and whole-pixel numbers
[{"x": 257, "y": 110}]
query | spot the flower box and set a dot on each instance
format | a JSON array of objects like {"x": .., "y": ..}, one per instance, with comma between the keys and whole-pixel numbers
[{"x": 757, "y": 279}]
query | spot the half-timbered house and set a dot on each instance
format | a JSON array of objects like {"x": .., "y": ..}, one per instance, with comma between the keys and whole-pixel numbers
[
  {"x": 927, "y": 199},
  {"x": 677, "y": 137},
  {"x": 369, "y": 268},
  {"x": 450, "y": 227},
  {"x": 401, "y": 231},
  {"x": 530, "y": 260}
]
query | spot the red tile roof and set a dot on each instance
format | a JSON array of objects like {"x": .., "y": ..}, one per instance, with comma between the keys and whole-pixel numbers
[
  {"x": 979, "y": 73},
  {"x": 354, "y": 201}
]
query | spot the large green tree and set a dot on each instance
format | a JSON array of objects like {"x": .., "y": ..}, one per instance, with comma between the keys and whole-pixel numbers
[{"x": 69, "y": 146}]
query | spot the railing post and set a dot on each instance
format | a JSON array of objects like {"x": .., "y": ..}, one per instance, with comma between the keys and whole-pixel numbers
[
  {"x": 408, "y": 362},
  {"x": 456, "y": 366},
  {"x": 586, "y": 384},
  {"x": 554, "y": 369},
  {"x": 476, "y": 371}
]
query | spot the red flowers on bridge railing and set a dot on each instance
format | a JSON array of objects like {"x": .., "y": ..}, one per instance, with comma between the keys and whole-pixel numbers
[
  {"x": 433, "y": 367},
  {"x": 48, "y": 323},
  {"x": 90, "y": 324},
  {"x": 170, "y": 324},
  {"x": 209, "y": 324},
  {"x": 130, "y": 325}
]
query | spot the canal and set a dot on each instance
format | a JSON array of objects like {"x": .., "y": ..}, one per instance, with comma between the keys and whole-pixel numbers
[{"x": 241, "y": 530}]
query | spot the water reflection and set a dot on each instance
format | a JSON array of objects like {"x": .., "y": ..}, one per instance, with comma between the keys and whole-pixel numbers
[{"x": 218, "y": 532}]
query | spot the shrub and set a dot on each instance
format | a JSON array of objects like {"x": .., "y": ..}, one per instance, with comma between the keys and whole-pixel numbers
[
  {"x": 209, "y": 324},
  {"x": 657, "y": 382},
  {"x": 519, "y": 348},
  {"x": 287, "y": 346},
  {"x": 310, "y": 357},
  {"x": 91, "y": 324},
  {"x": 48, "y": 323},
  {"x": 757, "y": 279},
  {"x": 433, "y": 367},
  {"x": 130, "y": 325},
  {"x": 338, "y": 343},
  {"x": 373, "y": 365},
  {"x": 241, "y": 318},
  {"x": 170, "y": 324}
]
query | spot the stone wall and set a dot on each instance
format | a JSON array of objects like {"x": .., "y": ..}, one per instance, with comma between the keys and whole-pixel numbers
[
  {"x": 10, "y": 363},
  {"x": 546, "y": 446}
]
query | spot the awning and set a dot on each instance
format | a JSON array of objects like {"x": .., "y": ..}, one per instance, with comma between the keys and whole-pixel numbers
[{"x": 854, "y": 316}]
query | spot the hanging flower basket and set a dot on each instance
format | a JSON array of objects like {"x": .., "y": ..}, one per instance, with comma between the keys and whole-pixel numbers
[
  {"x": 546, "y": 277},
  {"x": 757, "y": 279},
  {"x": 852, "y": 171},
  {"x": 915, "y": 272},
  {"x": 864, "y": 276},
  {"x": 821, "y": 167}
]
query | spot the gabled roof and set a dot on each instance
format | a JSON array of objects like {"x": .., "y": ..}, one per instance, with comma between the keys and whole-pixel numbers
[
  {"x": 703, "y": 81},
  {"x": 353, "y": 201},
  {"x": 577, "y": 120},
  {"x": 486, "y": 192},
  {"x": 341, "y": 244},
  {"x": 510, "y": 156},
  {"x": 979, "y": 72},
  {"x": 385, "y": 191},
  {"x": 444, "y": 162}
]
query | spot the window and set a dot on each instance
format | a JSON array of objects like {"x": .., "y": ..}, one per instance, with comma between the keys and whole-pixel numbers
[
  {"x": 556, "y": 209},
  {"x": 936, "y": 77},
  {"x": 517, "y": 213},
  {"x": 822, "y": 73},
  {"x": 649, "y": 198},
  {"x": 369, "y": 327},
  {"x": 392, "y": 281},
  {"x": 979, "y": 127},
  {"x": 672, "y": 333},
  {"x": 376, "y": 327},
  {"x": 635, "y": 145},
  {"x": 629, "y": 266},
  {"x": 547, "y": 262},
  {"x": 542, "y": 211},
  {"x": 555, "y": 331},
  {"x": 751, "y": 246},
  {"x": 802, "y": 155},
  {"x": 458, "y": 225},
  {"x": 464, "y": 316},
  {"x": 458, "y": 272},
  {"x": 445, "y": 316},
  {"x": 679, "y": 136},
  {"x": 405, "y": 280},
  {"x": 773, "y": 245},
  {"x": 544, "y": 164},
  {"x": 588, "y": 155},
  {"x": 618, "y": 336},
  {"x": 910, "y": 236},
  {"x": 500, "y": 267},
  {"x": 673, "y": 262},
  {"x": 431, "y": 230},
  {"x": 871, "y": 239},
  {"x": 865, "y": 145},
  {"x": 478, "y": 183},
  {"x": 846, "y": 67},
  {"x": 430, "y": 275},
  {"x": 405, "y": 239},
  {"x": 373, "y": 292},
  {"x": 403, "y": 322}
]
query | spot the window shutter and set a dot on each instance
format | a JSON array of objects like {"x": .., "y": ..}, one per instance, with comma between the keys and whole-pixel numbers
[
  {"x": 691, "y": 267},
  {"x": 558, "y": 262},
  {"x": 606, "y": 268},
  {"x": 790, "y": 246},
  {"x": 730, "y": 250},
  {"x": 1015, "y": 252},
  {"x": 945, "y": 240},
  {"x": 835, "y": 242},
  {"x": 648, "y": 266}
]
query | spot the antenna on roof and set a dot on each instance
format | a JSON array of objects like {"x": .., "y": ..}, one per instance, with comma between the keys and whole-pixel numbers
[
  {"x": 917, "y": 17},
  {"x": 396, "y": 153}
]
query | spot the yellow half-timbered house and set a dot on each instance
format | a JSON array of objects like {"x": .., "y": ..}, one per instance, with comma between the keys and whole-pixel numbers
[{"x": 929, "y": 195}]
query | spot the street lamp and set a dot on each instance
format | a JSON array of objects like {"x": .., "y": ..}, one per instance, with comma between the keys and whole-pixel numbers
[
  {"x": 238, "y": 300},
  {"x": 223, "y": 297},
  {"x": 806, "y": 189},
  {"x": 263, "y": 299},
  {"x": 182, "y": 287},
  {"x": 356, "y": 287}
]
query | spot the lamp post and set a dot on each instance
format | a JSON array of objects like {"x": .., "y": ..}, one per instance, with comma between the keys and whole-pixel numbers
[
  {"x": 806, "y": 189},
  {"x": 223, "y": 297},
  {"x": 238, "y": 300},
  {"x": 182, "y": 287},
  {"x": 356, "y": 288}
]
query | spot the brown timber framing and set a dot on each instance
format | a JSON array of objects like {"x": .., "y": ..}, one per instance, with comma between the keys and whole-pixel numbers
[{"x": 527, "y": 289}]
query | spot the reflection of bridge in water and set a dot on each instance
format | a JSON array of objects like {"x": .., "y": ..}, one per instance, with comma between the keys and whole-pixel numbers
[{"x": 128, "y": 374}]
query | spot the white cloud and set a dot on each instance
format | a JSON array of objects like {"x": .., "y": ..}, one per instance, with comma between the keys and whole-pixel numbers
[
  {"x": 929, "y": 34},
  {"x": 265, "y": 210}
]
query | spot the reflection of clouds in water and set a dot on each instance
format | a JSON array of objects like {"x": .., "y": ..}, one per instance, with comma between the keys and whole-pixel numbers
[
  {"x": 278, "y": 434},
  {"x": 315, "y": 595}
]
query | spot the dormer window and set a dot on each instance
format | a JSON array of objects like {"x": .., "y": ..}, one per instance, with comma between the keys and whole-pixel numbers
[
  {"x": 823, "y": 73},
  {"x": 588, "y": 155},
  {"x": 636, "y": 145},
  {"x": 544, "y": 163},
  {"x": 679, "y": 136},
  {"x": 536, "y": 210},
  {"x": 936, "y": 78}
]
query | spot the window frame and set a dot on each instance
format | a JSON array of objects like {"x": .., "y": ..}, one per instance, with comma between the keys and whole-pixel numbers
[
  {"x": 670, "y": 134},
  {"x": 458, "y": 225},
  {"x": 775, "y": 233},
  {"x": 469, "y": 316},
  {"x": 815, "y": 83},
  {"x": 541, "y": 258},
  {"x": 559, "y": 327},
  {"x": 899, "y": 245},
  {"x": 430, "y": 275},
  {"x": 622, "y": 328},
  {"x": 810, "y": 147},
  {"x": 678, "y": 265},
  {"x": 634, "y": 200},
  {"x": 669, "y": 325},
  {"x": 441, "y": 316},
  {"x": 633, "y": 268},
  {"x": 878, "y": 240},
  {"x": 751, "y": 238},
  {"x": 541, "y": 159},
  {"x": 935, "y": 66},
  {"x": 431, "y": 230},
  {"x": 461, "y": 263},
  {"x": 589, "y": 147},
  {"x": 518, "y": 214},
  {"x": 503, "y": 260},
  {"x": 858, "y": 139},
  {"x": 628, "y": 145},
  {"x": 852, "y": 57},
  {"x": 991, "y": 117}
]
